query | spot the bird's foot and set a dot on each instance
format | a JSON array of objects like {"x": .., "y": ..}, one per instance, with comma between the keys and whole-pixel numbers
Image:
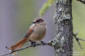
[{"x": 33, "y": 44}]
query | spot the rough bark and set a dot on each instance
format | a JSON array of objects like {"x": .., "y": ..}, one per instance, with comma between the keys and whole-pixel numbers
[{"x": 64, "y": 28}]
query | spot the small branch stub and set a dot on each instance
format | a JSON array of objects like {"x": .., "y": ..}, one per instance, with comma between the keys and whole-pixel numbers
[{"x": 82, "y": 1}]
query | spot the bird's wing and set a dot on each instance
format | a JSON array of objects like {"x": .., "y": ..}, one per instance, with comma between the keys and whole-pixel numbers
[{"x": 24, "y": 40}]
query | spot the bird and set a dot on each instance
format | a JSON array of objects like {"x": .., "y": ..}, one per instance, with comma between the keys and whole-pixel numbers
[{"x": 36, "y": 32}]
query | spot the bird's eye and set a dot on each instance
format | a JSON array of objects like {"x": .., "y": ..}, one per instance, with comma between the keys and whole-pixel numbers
[{"x": 38, "y": 20}]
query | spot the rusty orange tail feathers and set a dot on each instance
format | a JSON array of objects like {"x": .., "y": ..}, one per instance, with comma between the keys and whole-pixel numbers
[
  {"x": 19, "y": 44},
  {"x": 23, "y": 41}
]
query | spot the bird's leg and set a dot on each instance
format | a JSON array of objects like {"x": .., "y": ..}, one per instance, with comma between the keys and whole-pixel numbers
[{"x": 33, "y": 43}]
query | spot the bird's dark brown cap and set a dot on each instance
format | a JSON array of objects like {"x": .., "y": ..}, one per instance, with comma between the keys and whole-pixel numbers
[{"x": 38, "y": 20}]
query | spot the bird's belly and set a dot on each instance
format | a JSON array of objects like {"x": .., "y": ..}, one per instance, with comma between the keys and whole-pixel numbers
[{"x": 37, "y": 35}]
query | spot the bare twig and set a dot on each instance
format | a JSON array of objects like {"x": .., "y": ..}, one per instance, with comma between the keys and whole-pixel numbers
[
  {"x": 37, "y": 44},
  {"x": 12, "y": 51},
  {"x": 82, "y": 1},
  {"x": 78, "y": 40}
]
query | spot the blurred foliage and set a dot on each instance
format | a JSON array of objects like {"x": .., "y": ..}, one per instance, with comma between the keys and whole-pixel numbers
[
  {"x": 45, "y": 7},
  {"x": 79, "y": 26},
  {"x": 24, "y": 16}
]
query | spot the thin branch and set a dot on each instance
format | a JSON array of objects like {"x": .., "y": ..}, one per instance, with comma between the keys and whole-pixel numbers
[
  {"x": 15, "y": 51},
  {"x": 82, "y": 1},
  {"x": 75, "y": 35},
  {"x": 37, "y": 44},
  {"x": 78, "y": 40}
]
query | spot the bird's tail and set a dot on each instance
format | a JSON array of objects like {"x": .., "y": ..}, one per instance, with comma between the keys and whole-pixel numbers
[{"x": 19, "y": 44}]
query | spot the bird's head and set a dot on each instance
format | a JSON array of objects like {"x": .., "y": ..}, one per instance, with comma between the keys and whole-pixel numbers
[{"x": 39, "y": 20}]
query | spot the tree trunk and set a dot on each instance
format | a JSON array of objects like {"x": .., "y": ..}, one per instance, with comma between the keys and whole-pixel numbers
[{"x": 64, "y": 28}]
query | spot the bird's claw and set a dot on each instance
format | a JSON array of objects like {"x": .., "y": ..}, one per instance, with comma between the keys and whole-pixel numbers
[{"x": 33, "y": 44}]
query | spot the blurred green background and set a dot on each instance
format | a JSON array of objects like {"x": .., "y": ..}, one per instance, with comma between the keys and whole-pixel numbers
[
  {"x": 26, "y": 13},
  {"x": 79, "y": 26}
]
